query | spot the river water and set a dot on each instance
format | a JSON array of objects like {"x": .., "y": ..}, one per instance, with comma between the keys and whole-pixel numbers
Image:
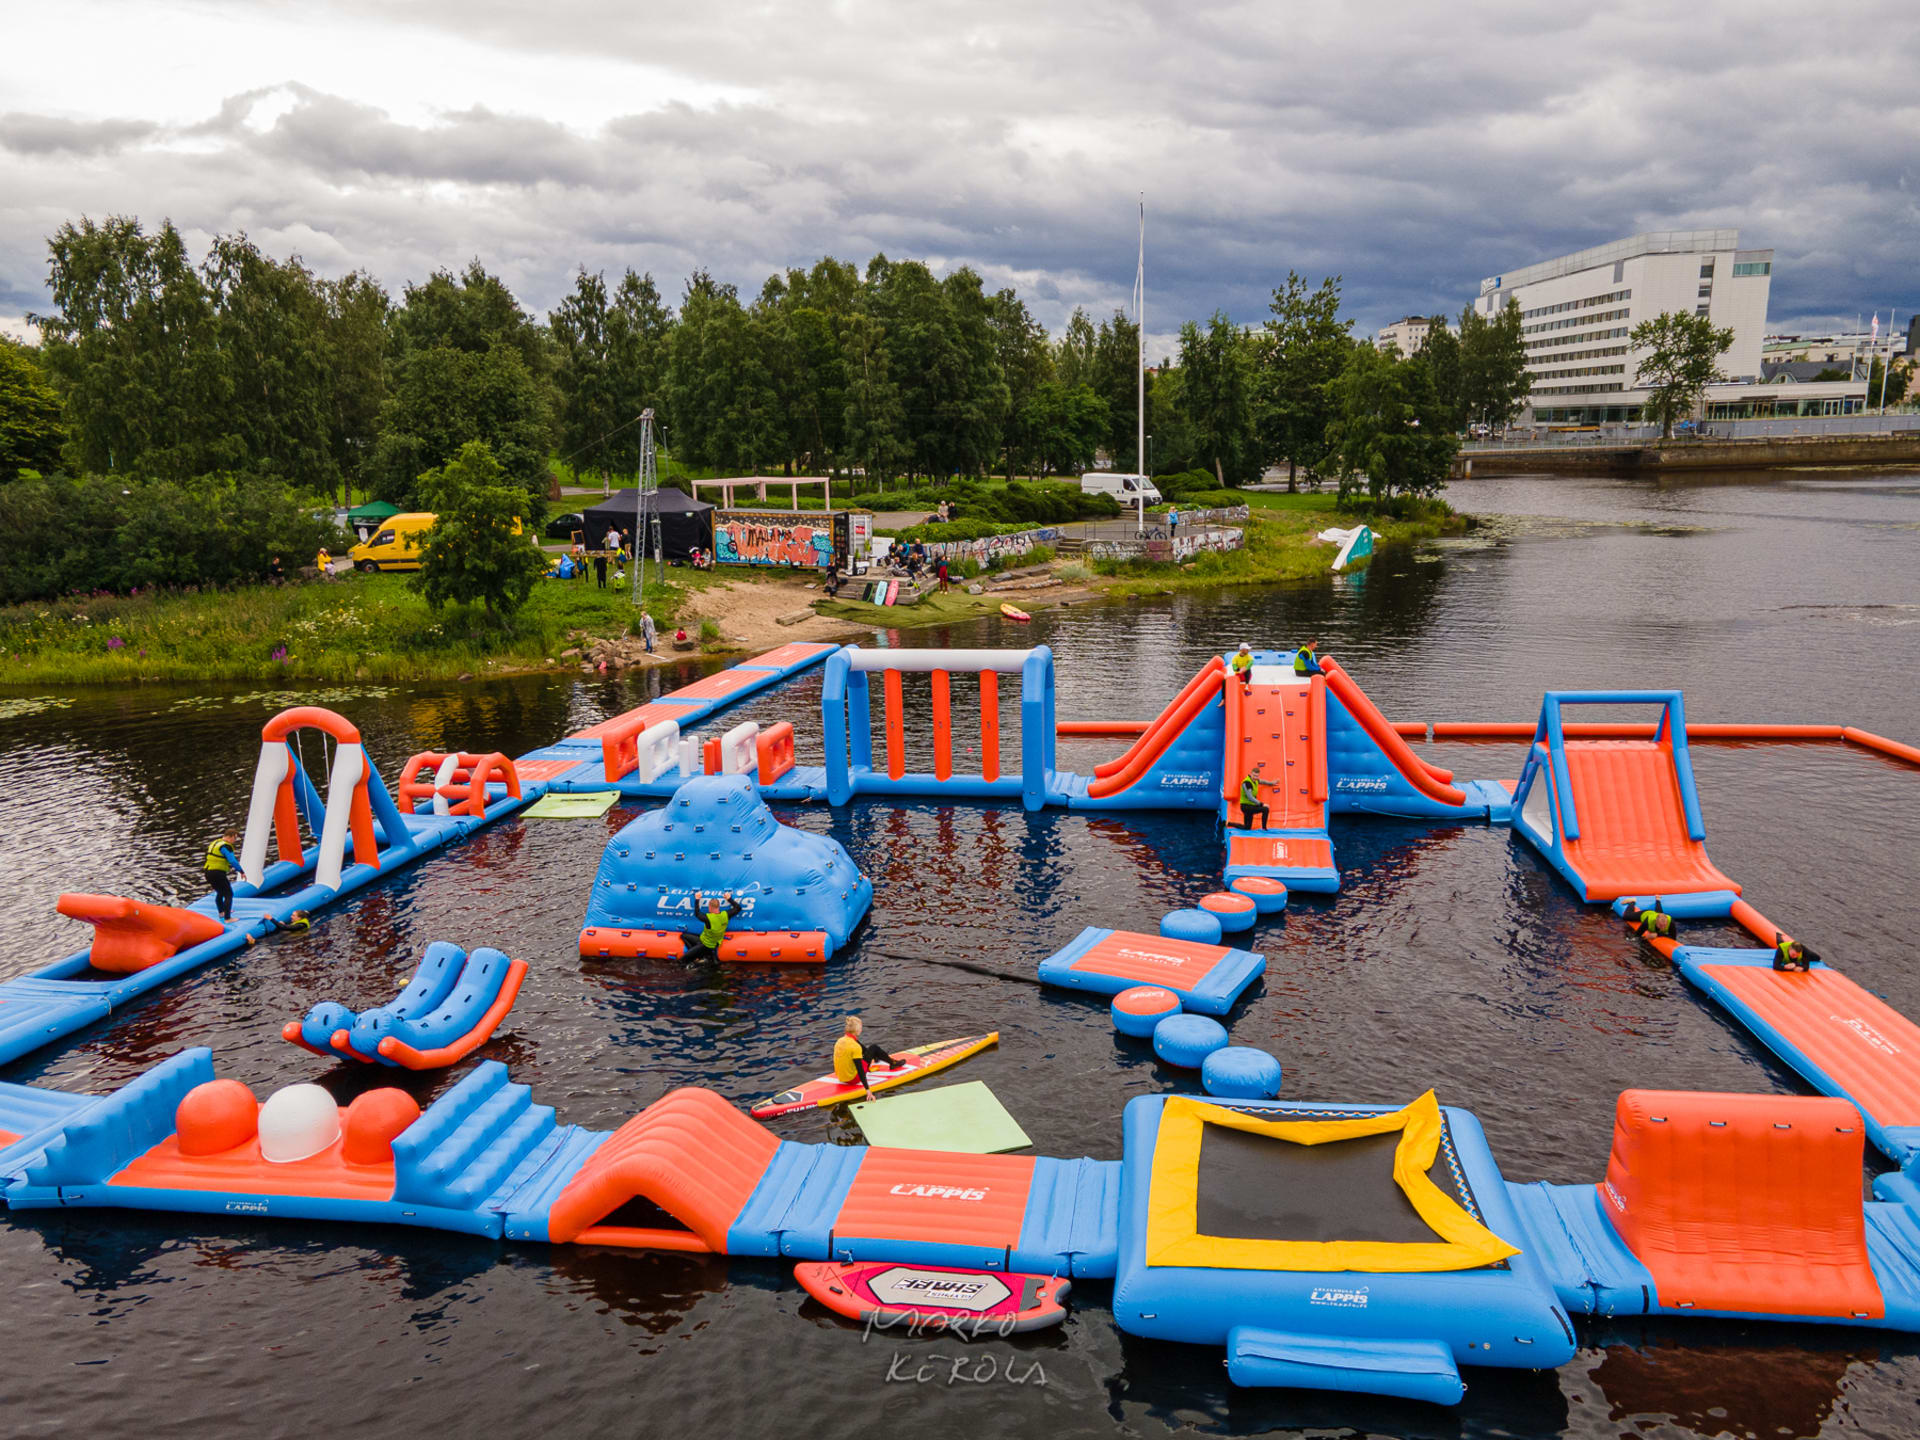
[{"x": 1453, "y": 958}]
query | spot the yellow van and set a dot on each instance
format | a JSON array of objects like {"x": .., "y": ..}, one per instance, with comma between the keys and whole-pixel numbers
[{"x": 395, "y": 546}]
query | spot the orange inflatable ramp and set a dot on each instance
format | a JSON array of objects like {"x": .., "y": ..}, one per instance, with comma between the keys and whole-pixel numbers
[
  {"x": 1844, "y": 1039},
  {"x": 1281, "y": 728},
  {"x": 1745, "y": 1203},
  {"x": 1633, "y": 833},
  {"x": 690, "y": 1153},
  {"x": 129, "y": 935}
]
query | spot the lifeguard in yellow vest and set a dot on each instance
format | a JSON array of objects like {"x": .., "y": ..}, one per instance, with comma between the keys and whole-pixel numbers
[
  {"x": 1250, "y": 801},
  {"x": 852, "y": 1055}
]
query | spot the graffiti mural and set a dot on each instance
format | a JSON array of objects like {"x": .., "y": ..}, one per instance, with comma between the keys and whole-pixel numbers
[{"x": 762, "y": 537}]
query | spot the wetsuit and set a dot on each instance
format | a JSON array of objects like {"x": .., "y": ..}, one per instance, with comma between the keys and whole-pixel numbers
[
  {"x": 1784, "y": 959},
  {"x": 1250, "y": 805},
  {"x": 1657, "y": 922},
  {"x": 851, "y": 1057},
  {"x": 297, "y": 923},
  {"x": 713, "y": 933},
  {"x": 221, "y": 863}
]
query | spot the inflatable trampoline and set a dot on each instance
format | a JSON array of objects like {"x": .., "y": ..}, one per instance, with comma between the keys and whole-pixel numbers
[
  {"x": 1208, "y": 979},
  {"x": 1364, "y": 1229}
]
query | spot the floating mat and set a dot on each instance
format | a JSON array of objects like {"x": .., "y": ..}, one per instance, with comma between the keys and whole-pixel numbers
[
  {"x": 589, "y": 806},
  {"x": 966, "y": 1119}
]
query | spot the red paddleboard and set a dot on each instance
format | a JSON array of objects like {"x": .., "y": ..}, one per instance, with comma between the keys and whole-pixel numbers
[
  {"x": 1013, "y": 614},
  {"x": 914, "y": 1065},
  {"x": 893, "y": 592},
  {"x": 969, "y": 1303}
]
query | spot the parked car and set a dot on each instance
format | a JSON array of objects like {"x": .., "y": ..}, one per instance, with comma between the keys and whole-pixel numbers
[
  {"x": 563, "y": 527},
  {"x": 395, "y": 547},
  {"x": 1127, "y": 489}
]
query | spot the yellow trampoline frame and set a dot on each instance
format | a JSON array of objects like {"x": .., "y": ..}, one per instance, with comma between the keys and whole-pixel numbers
[{"x": 1173, "y": 1236}]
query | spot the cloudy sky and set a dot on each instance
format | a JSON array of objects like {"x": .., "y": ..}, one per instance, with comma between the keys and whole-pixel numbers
[{"x": 1411, "y": 148}]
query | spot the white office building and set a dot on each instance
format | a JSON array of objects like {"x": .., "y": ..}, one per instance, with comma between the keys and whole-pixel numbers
[
  {"x": 1577, "y": 312},
  {"x": 1406, "y": 335}
]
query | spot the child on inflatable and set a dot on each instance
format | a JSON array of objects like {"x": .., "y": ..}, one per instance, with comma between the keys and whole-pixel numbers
[{"x": 1243, "y": 665}]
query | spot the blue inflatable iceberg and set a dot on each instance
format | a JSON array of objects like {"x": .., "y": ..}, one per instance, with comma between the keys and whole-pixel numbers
[{"x": 717, "y": 836}]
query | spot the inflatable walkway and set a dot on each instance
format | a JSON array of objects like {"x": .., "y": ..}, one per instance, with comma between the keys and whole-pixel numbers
[
  {"x": 1619, "y": 817},
  {"x": 614, "y": 754}
]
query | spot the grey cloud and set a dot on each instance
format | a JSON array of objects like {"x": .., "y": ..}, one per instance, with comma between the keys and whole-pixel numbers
[
  {"x": 49, "y": 135},
  {"x": 1412, "y": 149}
]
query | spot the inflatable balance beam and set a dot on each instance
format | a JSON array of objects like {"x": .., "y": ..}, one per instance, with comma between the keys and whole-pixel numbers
[{"x": 1207, "y": 978}]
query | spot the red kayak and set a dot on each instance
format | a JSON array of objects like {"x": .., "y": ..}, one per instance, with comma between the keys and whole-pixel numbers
[
  {"x": 968, "y": 1303},
  {"x": 1015, "y": 614},
  {"x": 914, "y": 1064}
]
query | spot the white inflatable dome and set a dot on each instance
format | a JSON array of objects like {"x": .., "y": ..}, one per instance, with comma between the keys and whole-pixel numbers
[{"x": 296, "y": 1122}]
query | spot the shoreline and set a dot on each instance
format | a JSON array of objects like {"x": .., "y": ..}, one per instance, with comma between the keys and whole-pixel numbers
[{"x": 374, "y": 630}]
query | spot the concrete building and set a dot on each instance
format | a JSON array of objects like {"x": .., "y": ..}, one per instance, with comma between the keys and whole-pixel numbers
[
  {"x": 1577, "y": 312},
  {"x": 1408, "y": 334}
]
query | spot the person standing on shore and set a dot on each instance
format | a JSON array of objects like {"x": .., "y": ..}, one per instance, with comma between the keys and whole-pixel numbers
[
  {"x": 600, "y": 569},
  {"x": 646, "y": 629}
]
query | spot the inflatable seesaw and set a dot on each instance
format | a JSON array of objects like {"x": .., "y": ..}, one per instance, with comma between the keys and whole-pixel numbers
[{"x": 451, "y": 1008}]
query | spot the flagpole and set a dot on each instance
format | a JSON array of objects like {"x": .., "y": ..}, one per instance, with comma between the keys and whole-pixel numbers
[
  {"x": 1140, "y": 378},
  {"x": 1886, "y": 367}
]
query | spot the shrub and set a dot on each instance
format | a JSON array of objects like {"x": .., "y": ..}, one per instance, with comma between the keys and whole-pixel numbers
[{"x": 1073, "y": 572}]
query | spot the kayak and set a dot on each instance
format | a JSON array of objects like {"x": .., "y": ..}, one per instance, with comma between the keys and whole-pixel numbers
[
  {"x": 1013, "y": 614},
  {"x": 968, "y": 1303},
  {"x": 913, "y": 1065}
]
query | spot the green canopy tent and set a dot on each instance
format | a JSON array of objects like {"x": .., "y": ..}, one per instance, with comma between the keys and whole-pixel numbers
[{"x": 364, "y": 520}]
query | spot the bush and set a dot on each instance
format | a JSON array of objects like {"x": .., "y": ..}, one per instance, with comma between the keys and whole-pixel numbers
[
  {"x": 475, "y": 550},
  {"x": 1073, "y": 572},
  {"x": 1020, "y": 504},
  {"x": 115, "y": 533}
]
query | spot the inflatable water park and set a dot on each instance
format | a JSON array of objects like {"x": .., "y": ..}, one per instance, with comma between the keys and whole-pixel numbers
[{"x": 1314, "y": 1242}]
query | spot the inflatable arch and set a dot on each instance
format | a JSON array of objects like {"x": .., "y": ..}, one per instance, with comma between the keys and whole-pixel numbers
[
  {"x": 280, "y": 787},
  {"x": 458, "y": 783}
]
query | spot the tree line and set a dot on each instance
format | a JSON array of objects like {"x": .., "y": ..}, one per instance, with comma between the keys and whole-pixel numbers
[{"x": 243, "y": 371}]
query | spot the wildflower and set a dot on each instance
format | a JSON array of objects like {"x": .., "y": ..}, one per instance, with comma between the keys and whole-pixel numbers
[
  {"x": 116, "y": 643},
  {"x": 279, "y": 653}
]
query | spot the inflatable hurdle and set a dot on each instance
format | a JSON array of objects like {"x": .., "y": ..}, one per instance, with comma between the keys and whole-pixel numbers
[{"x": 846, "y": 713}]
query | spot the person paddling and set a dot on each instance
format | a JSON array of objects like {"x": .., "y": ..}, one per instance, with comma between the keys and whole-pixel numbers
[
  {"x": 852, "y": 1056},
  {"x": 221, "y": 863}
]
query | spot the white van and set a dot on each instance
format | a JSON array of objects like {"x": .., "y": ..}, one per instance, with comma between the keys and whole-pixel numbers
[{"x": 1127, "y": 489}]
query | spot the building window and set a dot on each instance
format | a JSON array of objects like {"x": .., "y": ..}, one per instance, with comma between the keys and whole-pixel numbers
[
  {"x": 1619, "y": 271},
  {"x": 1706, "y": 290},
  {"x": 1754, "y": 267},
  {"x": 1706, "y": 269},
  {"x": 1700, "y": 309}
]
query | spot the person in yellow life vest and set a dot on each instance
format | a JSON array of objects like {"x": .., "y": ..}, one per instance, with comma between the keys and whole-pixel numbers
[
  {"x": 298, "y": 921},
  {"x": 221, "y": 863},
  {"x": 1243, "y": 665},
  {"x": 1305, "y": 661},
  {"x": 1250, "y": 802},
  {"x": 1652, "y": 921},
  {"x": 323, "y": 562},
  {"x": 1791, "y": 954},
  {"x": 713, "y": 927},
  {"x": 852, "y": 1056}
]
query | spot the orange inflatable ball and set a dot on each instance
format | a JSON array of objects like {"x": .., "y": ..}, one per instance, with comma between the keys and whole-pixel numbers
[
  {"x": 215, "y": 1117},
  {"x": 372, "y": 1123}
]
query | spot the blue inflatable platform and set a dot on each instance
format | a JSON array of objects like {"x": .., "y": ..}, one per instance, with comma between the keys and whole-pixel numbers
[{"x": 1209, "y": 979}]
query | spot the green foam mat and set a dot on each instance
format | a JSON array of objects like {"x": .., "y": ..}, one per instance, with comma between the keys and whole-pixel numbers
[
  {"x": 572, "y": 807},
  {"x": 968, "y": 1119}
]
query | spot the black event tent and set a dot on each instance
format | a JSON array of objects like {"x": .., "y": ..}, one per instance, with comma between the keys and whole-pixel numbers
[{"x": 684, "y": 522}]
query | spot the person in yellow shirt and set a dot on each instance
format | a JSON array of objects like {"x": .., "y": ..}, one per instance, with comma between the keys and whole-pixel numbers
[{"x": 852, "y": 1056}]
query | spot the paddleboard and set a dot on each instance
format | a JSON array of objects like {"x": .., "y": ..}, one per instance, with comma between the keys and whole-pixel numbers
[
  {"x": 893, "y": 592},
  {"x": 968, "y": 1303},
  {"x": 1013, "y": 614},
  {"x": 921, "y": 1061}
]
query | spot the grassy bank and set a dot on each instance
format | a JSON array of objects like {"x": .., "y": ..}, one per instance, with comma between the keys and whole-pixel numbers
[
  {"x": 1280, "y": 547},
  {"x": 358, "y": 627}
]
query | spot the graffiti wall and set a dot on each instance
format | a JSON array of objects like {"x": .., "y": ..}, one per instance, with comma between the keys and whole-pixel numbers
[
  {"x": 778, "y": 537},
  {"x": 991, "y": 547},
  {"x": 1184, "y": 547}
]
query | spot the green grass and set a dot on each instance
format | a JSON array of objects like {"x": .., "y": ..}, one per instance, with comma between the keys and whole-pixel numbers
[
  {"x": 359, "y": 627},
  {"x": 1280, "y": 547}
]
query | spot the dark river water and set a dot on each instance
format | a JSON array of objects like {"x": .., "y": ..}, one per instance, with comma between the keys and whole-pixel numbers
[{"x": 1453, "y": 958}]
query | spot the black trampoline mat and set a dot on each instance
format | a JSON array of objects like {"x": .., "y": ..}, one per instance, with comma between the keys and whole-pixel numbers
[{"x": 1255, "y": 1187}]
